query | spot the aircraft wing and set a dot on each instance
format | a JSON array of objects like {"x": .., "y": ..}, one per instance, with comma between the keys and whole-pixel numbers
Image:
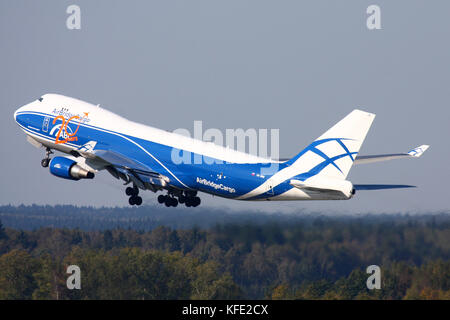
[
  {"x": 131, "y": 170},
  {"x": 122, "y": 167},
  {"x": 415, "y": 153},
  {"x": 119, "y": 160}
]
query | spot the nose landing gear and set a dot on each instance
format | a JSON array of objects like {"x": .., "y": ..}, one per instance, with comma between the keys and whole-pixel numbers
[
  {"x": 134, "y": 198},
  {"x": 45, "y": 162}
]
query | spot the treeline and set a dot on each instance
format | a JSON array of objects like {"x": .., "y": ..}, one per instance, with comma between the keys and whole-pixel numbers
[
  {"x": 322, "y": 258},
  {"x": 149, "y": 217},
  {"x": 139, "y": 218}
]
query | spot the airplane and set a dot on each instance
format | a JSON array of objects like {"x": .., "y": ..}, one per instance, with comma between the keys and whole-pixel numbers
[{"x": 96, "y": 139}]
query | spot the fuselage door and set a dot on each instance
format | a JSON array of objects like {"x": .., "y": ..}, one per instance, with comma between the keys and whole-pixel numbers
[
  {"x": 45, "y": 124},
  {"x": 270, "y": 190}
]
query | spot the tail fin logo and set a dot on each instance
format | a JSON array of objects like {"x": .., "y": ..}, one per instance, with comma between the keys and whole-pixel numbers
[{"x": 322, "y": 149}]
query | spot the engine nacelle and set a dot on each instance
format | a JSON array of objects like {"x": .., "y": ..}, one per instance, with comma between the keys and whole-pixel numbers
[{"x": 68, "y": 169}]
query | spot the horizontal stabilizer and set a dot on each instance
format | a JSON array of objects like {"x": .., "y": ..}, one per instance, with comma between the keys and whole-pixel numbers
[
  {"x": 336, "y": 187},
  {"x": 380, "y": 186},
  {"x": 416, "y": 152}
]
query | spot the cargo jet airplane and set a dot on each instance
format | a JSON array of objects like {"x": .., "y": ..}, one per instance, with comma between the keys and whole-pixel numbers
[{"x": 96, "y": 139}]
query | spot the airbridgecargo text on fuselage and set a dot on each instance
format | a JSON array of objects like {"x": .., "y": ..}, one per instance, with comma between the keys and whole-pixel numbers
[
  {"x": 65, "y": 112},
  {"x": 215, "y": 185}
]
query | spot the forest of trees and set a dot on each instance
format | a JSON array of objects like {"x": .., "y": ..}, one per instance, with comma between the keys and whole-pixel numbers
[{"x": 295, "y": 258}]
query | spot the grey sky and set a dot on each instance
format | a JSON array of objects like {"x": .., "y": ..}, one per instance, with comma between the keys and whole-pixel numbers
[{"x": 299, "y": 66}]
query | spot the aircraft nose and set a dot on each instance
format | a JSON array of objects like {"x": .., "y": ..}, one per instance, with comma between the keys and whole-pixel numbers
[
  {"x": 15, "y": 114},
  {"x": 17, "y": 111}
]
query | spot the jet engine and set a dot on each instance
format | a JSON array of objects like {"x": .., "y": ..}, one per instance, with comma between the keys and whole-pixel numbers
[{"x": 68, "y": 169}]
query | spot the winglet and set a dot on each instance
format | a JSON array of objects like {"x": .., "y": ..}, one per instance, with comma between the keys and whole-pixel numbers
[{"x": 417, "y": 152}]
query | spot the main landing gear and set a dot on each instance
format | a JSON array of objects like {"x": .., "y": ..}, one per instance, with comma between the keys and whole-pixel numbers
[
  {"x": 134, "y": 198},
  {"x": 189, "y": 199},
  {"x": 169, "y": 201},
  {"x": 45, "y": 162}
]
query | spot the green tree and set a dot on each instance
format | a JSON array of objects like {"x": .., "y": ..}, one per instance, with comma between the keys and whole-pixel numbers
[
  {"x": 3, "y": 239},
  {"x": 352, "y": 286},
  {"x": 108, "y": 239},
  {"x": 49, "y": 279},
  {"x": 282, "y": 292},
  {"x": 3, "y": 235},
  {"x": 315, "y": 290},
  {"x": 208, "y": 283},
  {"x": 16, "y": 275}
]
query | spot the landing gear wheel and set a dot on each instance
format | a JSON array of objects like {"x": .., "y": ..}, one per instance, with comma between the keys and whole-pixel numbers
[
  {"x": 171, "y": 202},
  {"x": 45, "y": 162},
  {"x": 137, "y": 200},
  {"x": 181, "y": 199},
  {"x": 161, "y": 198},
  {"x": 196, "y": 201},
  {"x": 192, "y": 202},
  {"x": 131, "y": 191}
]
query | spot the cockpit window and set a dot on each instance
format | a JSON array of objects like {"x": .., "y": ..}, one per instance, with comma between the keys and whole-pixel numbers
[{"x": 40, "y": 99}]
